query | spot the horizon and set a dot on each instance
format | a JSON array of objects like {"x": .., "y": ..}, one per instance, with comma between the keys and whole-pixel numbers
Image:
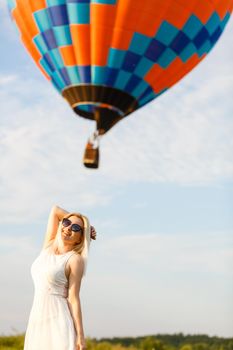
[{"x": 99, "y": 339}]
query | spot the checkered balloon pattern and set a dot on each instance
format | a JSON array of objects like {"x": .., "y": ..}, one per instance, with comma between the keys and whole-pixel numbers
[{"x": 140, "y": 47}]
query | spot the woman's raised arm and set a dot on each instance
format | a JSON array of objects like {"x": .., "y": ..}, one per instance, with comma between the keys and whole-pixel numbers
[{"x": 56, "y": 215}]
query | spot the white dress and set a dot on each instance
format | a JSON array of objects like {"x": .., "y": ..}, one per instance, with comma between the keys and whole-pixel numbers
[{"x": 50, "y": 325}]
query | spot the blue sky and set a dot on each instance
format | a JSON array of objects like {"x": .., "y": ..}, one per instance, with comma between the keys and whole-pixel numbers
[{"x": 161, "y": 201}]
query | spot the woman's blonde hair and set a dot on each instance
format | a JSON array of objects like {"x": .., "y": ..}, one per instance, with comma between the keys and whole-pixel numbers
[{"x": 81, "y": 248}]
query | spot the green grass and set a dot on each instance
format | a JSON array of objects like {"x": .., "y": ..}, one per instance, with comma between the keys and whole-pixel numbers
[
  {"x": 153, "y": 342},
  {"x": 14, "y": 342}
]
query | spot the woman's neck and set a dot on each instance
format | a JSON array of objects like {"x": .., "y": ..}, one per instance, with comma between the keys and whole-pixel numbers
[{"x": 62, "y": 248}]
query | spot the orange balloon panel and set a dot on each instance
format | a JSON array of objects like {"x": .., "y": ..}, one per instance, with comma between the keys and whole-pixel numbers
[{"x": 118, "y": 54}]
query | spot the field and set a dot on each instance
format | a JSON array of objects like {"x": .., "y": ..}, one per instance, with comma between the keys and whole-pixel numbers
[{"x": 152, "y": 342}]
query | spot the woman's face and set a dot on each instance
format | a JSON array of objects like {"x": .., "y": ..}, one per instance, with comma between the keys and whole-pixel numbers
[{"x": 69, "y": 236}]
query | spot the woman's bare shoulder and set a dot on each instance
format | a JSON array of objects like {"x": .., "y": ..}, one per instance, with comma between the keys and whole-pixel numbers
[
  {"x": 76, "y": 259},
  {"x": 76, "y": 262}
]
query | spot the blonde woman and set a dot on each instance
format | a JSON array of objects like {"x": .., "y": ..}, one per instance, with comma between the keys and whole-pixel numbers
[{"x": 55, "y": 321}]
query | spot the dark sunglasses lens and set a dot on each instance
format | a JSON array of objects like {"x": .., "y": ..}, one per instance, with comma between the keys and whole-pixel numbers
[
  {"x": 76, "y": 228},
  {"x": 66, "y": 222}
]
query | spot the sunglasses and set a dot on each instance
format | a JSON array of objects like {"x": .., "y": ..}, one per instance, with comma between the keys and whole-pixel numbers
[{"x": 74, "y": 227}]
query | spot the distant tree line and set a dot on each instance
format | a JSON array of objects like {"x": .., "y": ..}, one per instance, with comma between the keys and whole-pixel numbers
[
  {"x": 175, "y": 342},
  {"x": 152, "y": 342}
]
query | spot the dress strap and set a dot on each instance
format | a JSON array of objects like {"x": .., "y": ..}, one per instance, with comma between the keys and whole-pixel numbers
[
  {"x": 68, "y": 255},
  {"x": 65, "y": 260}
]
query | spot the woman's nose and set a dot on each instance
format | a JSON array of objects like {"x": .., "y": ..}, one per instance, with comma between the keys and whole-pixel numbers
[{"x": 68, "y": 228}]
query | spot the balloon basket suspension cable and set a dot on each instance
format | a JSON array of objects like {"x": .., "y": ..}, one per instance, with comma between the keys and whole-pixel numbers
[{"x": 91, "y": 154}]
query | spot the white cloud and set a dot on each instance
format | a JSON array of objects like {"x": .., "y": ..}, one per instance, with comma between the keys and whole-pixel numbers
[
  {"x": 5, "y": 24},
  {"x": 3, "y": 7},
  {"x": 192, "y": 253},
  {"x": 5, "y": 80},
  {"x": 41, "y": 153}
]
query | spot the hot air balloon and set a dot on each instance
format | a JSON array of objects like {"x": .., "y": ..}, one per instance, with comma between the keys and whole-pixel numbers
[{"x": 108, "y": 58}]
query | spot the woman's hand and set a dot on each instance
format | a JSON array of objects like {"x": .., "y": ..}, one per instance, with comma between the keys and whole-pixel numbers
[
  {"x": 93, "y": 233},
  {"x": 81, "y": 344}
]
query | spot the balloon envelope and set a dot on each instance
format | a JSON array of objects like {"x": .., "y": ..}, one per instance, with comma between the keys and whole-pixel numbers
[{"x": 111, "y": 57}]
